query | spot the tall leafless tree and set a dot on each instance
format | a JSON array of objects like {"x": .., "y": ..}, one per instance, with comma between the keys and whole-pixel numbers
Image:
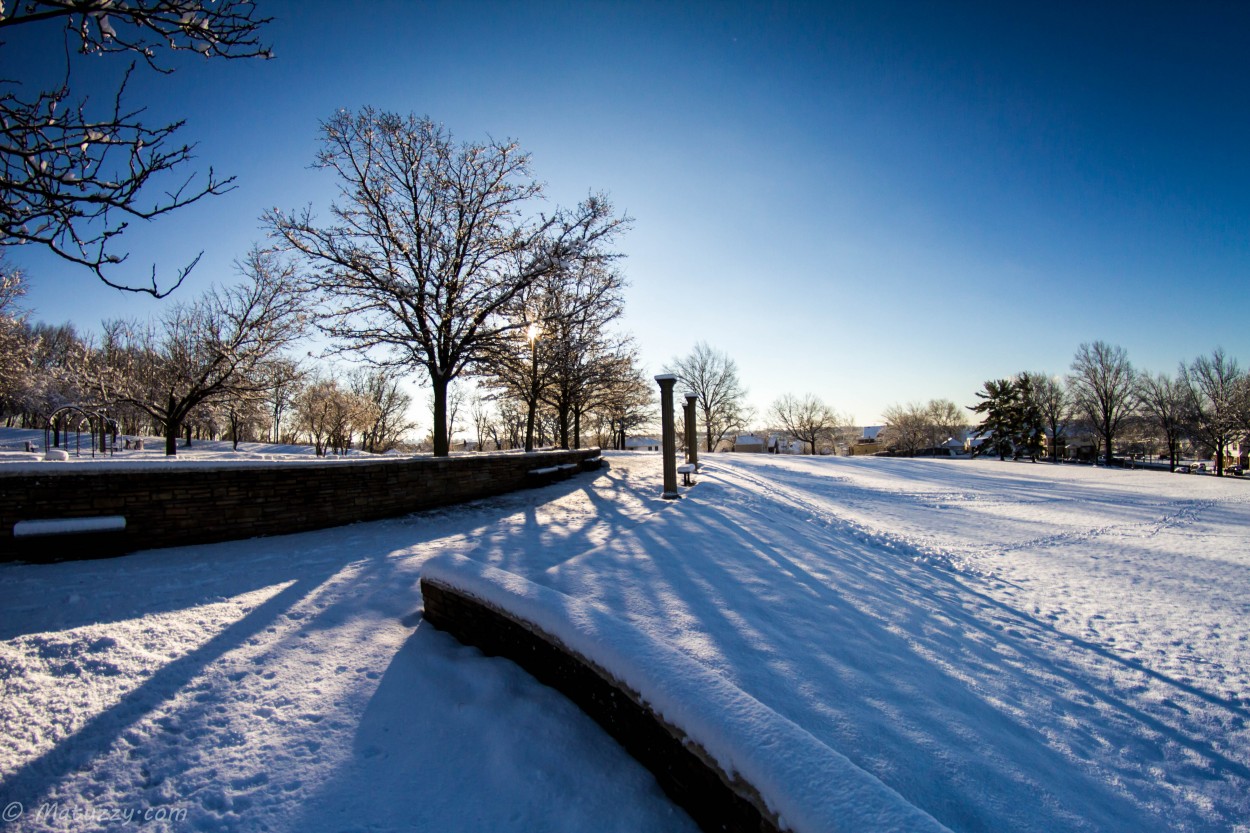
[
  {"x": 330, "y": 416},
  {"x": 713, "y": 377},
  {"x": 566, "y": 356},
  {"x": 1053, "y": 404},
  {"x": 1163, "y": 400},
  {"x": 1215, "y": 394},
  {"x": 430, "y": 242},
  {"x": 1102, "y": 384},
  {"x": 586, "y": 353},
  {"x": 621, "y": 401},
  {"x": 74, "y": 175}
]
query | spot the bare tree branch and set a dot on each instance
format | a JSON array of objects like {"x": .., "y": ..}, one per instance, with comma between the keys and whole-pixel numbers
[{"x": 74, "y": 177}]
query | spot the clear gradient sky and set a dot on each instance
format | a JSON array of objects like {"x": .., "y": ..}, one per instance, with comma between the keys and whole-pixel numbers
[{"x": 874, "y": 202}]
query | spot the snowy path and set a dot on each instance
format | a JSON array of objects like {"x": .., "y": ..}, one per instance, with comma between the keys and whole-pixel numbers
[{"x": 1009, "y": 646}]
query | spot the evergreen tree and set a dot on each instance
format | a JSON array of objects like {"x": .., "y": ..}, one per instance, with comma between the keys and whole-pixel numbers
[
  {"x": 1029, "y": 423},
  {"x": 999, "y": 410}
]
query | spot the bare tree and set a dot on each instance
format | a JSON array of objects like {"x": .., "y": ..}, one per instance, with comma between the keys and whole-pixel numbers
[
  {"x": 205, "y": 351},
  {"x": 244, "y": 412},
  {"x": 484, "y": 419},
  {"x": 1164, "y": 402},
  {"x": 15, "y": 346},
  {"x": 1102, "y": 384},
  {"x": 585, "y": 356},
  {"x": 50, "y": 378},
  {"x": 914, "y": 427},
  {"x": 390, "y": 402},
  {"x": 1215, "y": 393},
  {"x": 284, "y": 378},
  {"x": 612, "y": 383},
  {"x": 1053, "y": 405},
  {"x": 519, "y": 365},
  {"x": 622, "y": 401},
  {"x": 430, "y": 245},
  {"x": 321, "y": 410},
  {"x": 713, "y": 377},
  {"x": 807, "y": 419},
  {"x": 565, "y": 356},
  {"x": 72, "y": 175},
  {"x": 314, "y": 412},
  {"x": 946, "y": 421}
]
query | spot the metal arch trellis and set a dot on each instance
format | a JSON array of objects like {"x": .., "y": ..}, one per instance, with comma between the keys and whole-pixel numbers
[{"x": 99, "y": 425}]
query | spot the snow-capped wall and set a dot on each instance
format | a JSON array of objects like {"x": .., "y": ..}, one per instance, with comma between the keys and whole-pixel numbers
[
  {"x": 732, "y": 762},
  {"x": 199, "y": 503}
]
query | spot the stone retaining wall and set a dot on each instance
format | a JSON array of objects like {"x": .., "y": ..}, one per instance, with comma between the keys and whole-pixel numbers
[
  {"x": 197, "y": 503},
  {"x": 686, "y": 773}
]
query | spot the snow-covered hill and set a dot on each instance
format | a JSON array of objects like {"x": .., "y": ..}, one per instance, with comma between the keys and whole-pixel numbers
[{"x": 1008, "y": 646}]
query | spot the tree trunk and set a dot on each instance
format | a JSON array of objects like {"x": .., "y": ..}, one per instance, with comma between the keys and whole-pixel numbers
[
  {"x": 172, "y": 430},
  {"x": 530, "y": 407},
  {"x": 564, "y": 427},
  {"x": 577, "y": 428},
  {"x": 441, "y": 447}
]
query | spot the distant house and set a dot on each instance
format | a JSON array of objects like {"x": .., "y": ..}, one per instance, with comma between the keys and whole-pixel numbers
[
  {"x": 642, "y": 444},
  {"x": 867, "y": 443},
  {"x": 961, "y": 441},
  {"x": 778, "y": 444},
  {"x": 749, "y": 444}
]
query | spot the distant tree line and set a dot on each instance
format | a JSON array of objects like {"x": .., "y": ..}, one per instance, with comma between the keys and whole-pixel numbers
[
  {"x": 1108, "y": 406},
  {"x": 1102, "y": 407},
  {"x": 431, "y": 263},
  {"x": 216, "y": 367}
]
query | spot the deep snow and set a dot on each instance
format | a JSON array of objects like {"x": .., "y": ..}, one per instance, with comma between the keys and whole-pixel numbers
[{"x": 1007, "y": 646}]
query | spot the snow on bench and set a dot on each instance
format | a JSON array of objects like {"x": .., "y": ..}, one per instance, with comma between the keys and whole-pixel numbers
[
  {"x": 563, "y": 467},
  {"x": 550, "y": 474},
  {"x": 68, "y": 526},
  {"x": 747, "y": 758},
  {"x": 686, "y": 470}
]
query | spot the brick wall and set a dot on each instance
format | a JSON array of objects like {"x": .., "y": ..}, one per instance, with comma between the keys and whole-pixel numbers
[
  {"x": 686, "y": 773},
  {"x": 202, "y": 503}
]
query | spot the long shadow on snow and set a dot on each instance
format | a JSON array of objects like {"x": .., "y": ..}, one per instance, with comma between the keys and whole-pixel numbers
[
  {"x": 1021, "y": 635},
  {"x": 864, "y": 601},
  {"x": 35, "y": 598},
  {"x": 1229, "y": 572},
  {"x": 226, "y": 572},
  {"x": 506, "y": 729}
]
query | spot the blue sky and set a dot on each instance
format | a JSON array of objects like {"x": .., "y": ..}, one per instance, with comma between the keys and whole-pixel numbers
[{"x": 873, "y": 202}]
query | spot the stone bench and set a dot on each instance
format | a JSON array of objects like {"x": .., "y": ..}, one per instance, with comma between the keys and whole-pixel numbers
[
  {"x": 56, "y": 539},
  {"x": 552, "y": 474},
  {"x": 686, "y": 470}
]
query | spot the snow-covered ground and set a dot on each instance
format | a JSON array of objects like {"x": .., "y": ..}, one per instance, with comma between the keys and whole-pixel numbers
[
  {"x": 15, "y": 457},
  {"x": 1008, "y": 646}
]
